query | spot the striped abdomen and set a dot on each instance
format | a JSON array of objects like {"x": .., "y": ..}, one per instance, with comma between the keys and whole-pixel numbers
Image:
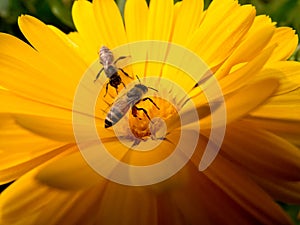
[{"x": 117, "y": 111}]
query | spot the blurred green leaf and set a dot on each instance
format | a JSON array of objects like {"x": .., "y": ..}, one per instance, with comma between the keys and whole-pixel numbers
[
  {"x": 121, "y": 5},
  {"x": 4, "y": 8},
  {"x": 206, "y": 3},
  {"x": 296, "y": 55},
  {"x": 55, "y": 12},
  {"x": 293, "y": 211},
  {"x": 284, "y": 12},
  {"x": 62, "y": 10}
]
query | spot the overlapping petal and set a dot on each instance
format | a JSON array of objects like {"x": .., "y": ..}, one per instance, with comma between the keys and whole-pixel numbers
[
  {"x": 109, "y": 23},
  {"x": 136, "y": 19},
  {"x": 220, "y": 41},
  {"x": 85, "y": 23},
  {"x": 32, "y": 75},
  {"x": 22, "y": 150},
  {"x": 273, "y": 157},
  {"x": 187, "y": 20},
  {"x": 66, "y": 58}
]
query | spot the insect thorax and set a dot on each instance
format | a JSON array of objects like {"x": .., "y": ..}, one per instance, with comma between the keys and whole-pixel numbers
[
  {"x": 137, "y": 92},
  {"x": 110, "y": 71},
  {"x": 141, "y": 88}
]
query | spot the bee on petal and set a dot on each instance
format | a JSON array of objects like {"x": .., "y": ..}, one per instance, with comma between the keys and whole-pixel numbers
[{"x": 108, "y": 62}]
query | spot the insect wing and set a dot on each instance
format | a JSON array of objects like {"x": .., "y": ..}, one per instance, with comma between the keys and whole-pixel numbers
[{"x": 118, "y": 110}]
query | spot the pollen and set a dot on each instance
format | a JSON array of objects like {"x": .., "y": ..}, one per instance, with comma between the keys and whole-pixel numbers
[{"x": 140, "y": 125}]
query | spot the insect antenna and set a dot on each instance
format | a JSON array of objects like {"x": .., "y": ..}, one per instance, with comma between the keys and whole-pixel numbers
[
  {"x": 153, "y": 89},
  {"x": 138, "y": 78},
  {"x": 147, "y": 86}
]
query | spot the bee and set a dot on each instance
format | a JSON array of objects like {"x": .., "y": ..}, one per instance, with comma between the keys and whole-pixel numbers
[
  {"x": 130, "y": 99},
  {"x": 108, "y": 62}
]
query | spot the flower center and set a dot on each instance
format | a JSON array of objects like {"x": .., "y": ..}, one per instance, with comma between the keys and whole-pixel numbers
[{"x": 139, "y": 123}]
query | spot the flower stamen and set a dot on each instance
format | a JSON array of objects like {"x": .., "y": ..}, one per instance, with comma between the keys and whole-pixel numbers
[{"x": 139, "y": 123}]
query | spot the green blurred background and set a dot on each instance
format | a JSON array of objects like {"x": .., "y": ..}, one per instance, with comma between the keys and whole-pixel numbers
[{"x": 58, "y": 13}]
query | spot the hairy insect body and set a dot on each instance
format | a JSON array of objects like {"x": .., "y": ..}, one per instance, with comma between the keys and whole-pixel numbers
[
  {"x": 106, "y": 56},
  {"x": 108, "y": 62},
  {"x": 125, "y": 102}
]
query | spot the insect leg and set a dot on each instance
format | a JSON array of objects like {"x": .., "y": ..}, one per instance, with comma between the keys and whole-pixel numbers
[
  {"x": 137, "y": 108},
  {"x": 121, "y": 57},
  {"x": 126, "y": 74},
  {"x": 123, "y": 84},
  {"x": 144, "y": 99},
  {"x": 105, "y": 111},
  {"x": 98, "y": 74},
  {"x": 106, "y": 88}
]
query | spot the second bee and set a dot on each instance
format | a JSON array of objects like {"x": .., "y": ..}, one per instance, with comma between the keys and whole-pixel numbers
[{"x": 108, "y": 62}]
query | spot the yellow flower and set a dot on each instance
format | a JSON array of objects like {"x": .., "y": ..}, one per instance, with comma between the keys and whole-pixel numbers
[{"x": 258, "y": 163}]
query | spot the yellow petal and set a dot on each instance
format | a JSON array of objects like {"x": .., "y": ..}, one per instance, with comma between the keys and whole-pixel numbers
[
  {"x": 198, "y": 199},
  {"x": 30, "y": 161},
  {"x": 288, "y": 73},
  {"x": 69, "y": 173},
  {"x": 136, "y": 22},
  {"x": 242, "y": 189},
  {"x": 191, "y": 200},
  {"x": 280, "y": 190},
  {"x": 287, "y": 129},
  {"x": 10, "y": 132},
  {"x": 175, "y": 216},
  {"x": 188, "y": 19},
  {"x": 259, "y": 22},
  {"x": 59, "y": 129},
  {"x": 52, "y": 122},
  {"x": 136, "y": 19},
  {"x": 29, "y": 73},
  {"x": 286, "y": 41},
  {"x": 285, "y": 107},
  {"x": 284, "y": 38},
  {"x": 48, "y": 43},
  {"x": 250, "y": 47},
  {"x": 243, "y": 101},
  {"x": 213, "y": 41},
  {"x": 268, "y": 156},
  {"x": 109, "y": 22},
  {"x": 11, "y": 103},
  {"x": 43, "y": 119},
  {"x": 26, "y": 199},
  {"x": 293, "y": 138},
  {"x": 30, "y": 150},
  {"x": 25, "y": 53},
  {"x": 118, "y": 206},
  {"x": 85, "y": 23},
  {"x": 54, "y": 128},
  {"x": 14, "y": 194},
  {"x": 74, "y": 40},
  {"x": 248, "y": 98},
  {"x": 64, "y": 37},
  {"x": 24, "y": 202},
  {"x": 245, "y": 73},
  {"x": 31, "y": 83},
  {"x": 176, "y": 12},
  {"x": 140, "y": 158},
  {"x": 160, "y": 20}
]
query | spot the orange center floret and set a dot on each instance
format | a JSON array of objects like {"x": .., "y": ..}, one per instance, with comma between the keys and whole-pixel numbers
[{"x": 138, "y": 120}]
